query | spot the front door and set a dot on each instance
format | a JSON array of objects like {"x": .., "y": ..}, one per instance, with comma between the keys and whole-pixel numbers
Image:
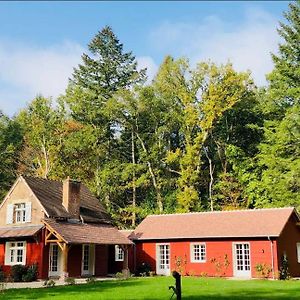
[
  {"x": 163, "y": 259},
  {"x": 242, "y": 266},
  {"x": 54, "y": 260},
  {"x": 88, "y": 260}
]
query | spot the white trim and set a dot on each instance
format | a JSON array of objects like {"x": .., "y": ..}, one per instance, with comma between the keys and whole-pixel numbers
[
  {"x": 247, "y": 274},
  {"x": 192, "y": 253},
  {"x": 118, "y": 248},
  {"x": 158, "y": 270},
  {"x": 59, "y": 261},
  {"x": 91, "y": 260},
  {"x": 298, "y": 252},
  {"x": 8, "y": 248}
]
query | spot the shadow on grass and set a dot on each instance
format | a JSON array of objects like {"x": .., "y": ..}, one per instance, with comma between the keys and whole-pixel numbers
[{"x": 75, "y": 292}]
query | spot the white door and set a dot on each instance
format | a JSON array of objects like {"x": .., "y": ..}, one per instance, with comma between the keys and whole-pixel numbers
[
  {"x": 242, "y": 266},
  {"x": 88, "y": 260},
  {"x": 54, "y": 260},
  {"x": 163, "y": 259}
]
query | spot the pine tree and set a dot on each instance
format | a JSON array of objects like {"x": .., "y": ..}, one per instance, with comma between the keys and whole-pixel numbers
[{"x": 285, "y": 78}]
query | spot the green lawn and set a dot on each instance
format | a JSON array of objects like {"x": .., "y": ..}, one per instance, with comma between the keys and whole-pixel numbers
[{"x": 157, "y": 288}]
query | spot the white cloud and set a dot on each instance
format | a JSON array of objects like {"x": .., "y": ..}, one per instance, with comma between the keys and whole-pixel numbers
[
  {"x": 27, "y": 71},
  {"x": 147, "y": 62},
  {"x": 247, "y": 45}
]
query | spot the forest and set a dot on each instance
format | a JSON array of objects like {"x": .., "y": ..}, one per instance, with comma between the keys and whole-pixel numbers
[{"x": 196, "y": 138}]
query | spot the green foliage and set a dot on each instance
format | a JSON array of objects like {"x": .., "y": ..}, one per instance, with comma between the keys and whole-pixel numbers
[
  {"x": 31, "y": 273},
  {"x": 284, "y": 268},
  {"x": 263, "y": 270},
  {"x": 17, "y": 272},
  {"x": 49, "y": 283},
  {"x": 70, "y": 281}
]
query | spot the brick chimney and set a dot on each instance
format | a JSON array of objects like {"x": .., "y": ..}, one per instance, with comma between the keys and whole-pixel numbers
[{"x": 71, "y": 197}]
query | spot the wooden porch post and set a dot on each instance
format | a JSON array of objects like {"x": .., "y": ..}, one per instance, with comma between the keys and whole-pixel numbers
[
  {"x": 65, "y": 252},
  {"x": 125, "y": 270}
]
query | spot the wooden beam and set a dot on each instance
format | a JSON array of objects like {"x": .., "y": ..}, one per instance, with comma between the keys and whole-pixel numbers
[{"x": 65, "y": 251}]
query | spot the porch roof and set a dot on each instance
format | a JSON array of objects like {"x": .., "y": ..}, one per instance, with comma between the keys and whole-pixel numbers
[
  {"x": 83, "y": 233},
  {"x": 17, "y": 231}
]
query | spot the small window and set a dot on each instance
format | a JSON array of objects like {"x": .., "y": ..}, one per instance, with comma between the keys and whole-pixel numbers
[
  {"x": 198, "y": 252},
  {"x": 119, "y": 253},
  {"x": 20, "y": 213},
  {"x": 15, "y": 253},
  {"x": 298, "y": 252}
]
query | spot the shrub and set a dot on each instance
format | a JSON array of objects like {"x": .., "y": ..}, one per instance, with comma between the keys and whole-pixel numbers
[
  {"x": 284, "y": 268},
  {"x": 17, "y": 272},
  {"x": 70, "y": 281},
  {"x": 2, "y": 277},
  {"x": 91, "y": 280},
  {"x": 143, "y": 270},
  {"x": 49, "y": 283},
  {"x": 263, "y": 270},
  {"x": 31, "y": 274},
  {"x": 120, "y": 275}
]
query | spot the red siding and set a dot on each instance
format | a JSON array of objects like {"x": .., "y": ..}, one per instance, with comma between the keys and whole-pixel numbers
[
  {"x": 287, "y": 241},
  {"x": 260, "y": 252},
  {"x": 75, "y": 261},
  {"x": 34, "y": 254},
  {"x": 117, "y": 266},
  {"x": 101, "y": 260}
]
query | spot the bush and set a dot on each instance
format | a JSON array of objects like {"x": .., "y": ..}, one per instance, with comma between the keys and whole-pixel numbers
[
  {"x": 70, "y": 281},
  {"x": 22, "y": 273},
  {"x": 2, "y": 277},
  {"x": 263, "y": 270},
  {"x": 91, "y": 280},
  {"x": 284, "y": 268},
  {"x": 49, "y": 283},
  {"x": 31, "y": 274},
  {"x": 17, "y": 272},
  {"x": 143, "y": 270}
]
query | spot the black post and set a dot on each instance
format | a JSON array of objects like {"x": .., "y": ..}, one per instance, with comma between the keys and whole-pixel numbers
[{"x": 177, "y": 288}]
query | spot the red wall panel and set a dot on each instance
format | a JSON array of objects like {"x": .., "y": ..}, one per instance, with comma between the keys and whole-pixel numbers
[{"x": 260, "y": 252}]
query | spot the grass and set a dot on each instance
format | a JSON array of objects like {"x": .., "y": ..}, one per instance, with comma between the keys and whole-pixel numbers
[{"x": 157, "y": 288}]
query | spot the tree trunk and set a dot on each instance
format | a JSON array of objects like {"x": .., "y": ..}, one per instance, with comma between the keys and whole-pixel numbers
[
  {"x": 211, "y": 171},
  {"x": 133, "y": 180},
  {"x": 154, "y": 181}
]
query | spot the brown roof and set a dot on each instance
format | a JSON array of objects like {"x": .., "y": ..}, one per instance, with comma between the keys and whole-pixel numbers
[
  {"x": 24, "y": 231},
  {"x": 242, "y": 223},
  {"x": 79, "y": 233},
  {"x": 49, "y": 192}
]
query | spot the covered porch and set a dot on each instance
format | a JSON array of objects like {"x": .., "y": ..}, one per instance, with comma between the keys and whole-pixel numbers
[{"x": 76, "y": 249}]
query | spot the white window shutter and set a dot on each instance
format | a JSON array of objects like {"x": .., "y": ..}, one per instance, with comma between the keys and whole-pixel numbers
[
  {"x": 7, "y": 254},
  {"x": 298, "y": 252},
  {"x": 9, "y": 214},
  {"x": 28, "y": 212}
]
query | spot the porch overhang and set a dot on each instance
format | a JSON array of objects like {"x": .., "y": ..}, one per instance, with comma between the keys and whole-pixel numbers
[
  {"x": 82, "y": 233},
  {"x": 19, "y": 232}
]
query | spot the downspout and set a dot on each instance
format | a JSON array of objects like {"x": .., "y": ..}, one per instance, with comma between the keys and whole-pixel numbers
[{"x": 272, "y": 257}]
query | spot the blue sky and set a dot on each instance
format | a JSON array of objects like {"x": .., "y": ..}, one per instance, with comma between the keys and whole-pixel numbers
[{"x": 40, "y": 42}]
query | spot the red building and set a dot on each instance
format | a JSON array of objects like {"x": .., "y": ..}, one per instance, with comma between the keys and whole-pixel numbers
[
  {"x": 230, "y": 243},
  {"x": 62, "y": 228}
]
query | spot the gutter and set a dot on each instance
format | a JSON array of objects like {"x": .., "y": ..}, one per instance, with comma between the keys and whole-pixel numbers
[{"x": 272, "y": 257}]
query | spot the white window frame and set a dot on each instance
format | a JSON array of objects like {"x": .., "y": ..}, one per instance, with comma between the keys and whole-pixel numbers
[
  {"x": 19, "y": 213},
  {"x": 298, "y": 252},
  {"x": 13, "y": 246},
  {"x": 119, "y": 253},
  {"x": 192, "y": 252}
]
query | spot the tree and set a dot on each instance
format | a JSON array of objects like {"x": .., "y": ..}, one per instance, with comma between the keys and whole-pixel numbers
[
  {"x": 11, "y": 138},
  {"x": 202, "y": 96},
  {"x": 103, "y": 73},
  {"x": 42, "y": 126},
  {"x": 284, "y": 90}
]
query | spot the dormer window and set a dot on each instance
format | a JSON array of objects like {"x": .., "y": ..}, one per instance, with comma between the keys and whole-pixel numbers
[{"x": 20, "y": 213}]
